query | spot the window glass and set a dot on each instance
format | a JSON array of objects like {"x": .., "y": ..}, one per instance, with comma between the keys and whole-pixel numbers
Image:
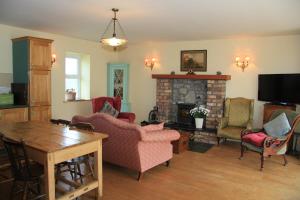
[{"x": 72, "y": 66}]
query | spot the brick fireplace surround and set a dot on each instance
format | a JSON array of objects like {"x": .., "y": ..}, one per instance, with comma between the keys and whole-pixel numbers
[{"x": 214, "y": 98}]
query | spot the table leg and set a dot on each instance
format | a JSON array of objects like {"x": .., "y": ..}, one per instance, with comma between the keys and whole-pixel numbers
[
  {"x": 49, "y": 177},
  {"x": 98, "y": 171}
]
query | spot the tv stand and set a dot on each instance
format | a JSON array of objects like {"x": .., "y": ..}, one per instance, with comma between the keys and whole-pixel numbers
[{"x": 270, "y": 107}]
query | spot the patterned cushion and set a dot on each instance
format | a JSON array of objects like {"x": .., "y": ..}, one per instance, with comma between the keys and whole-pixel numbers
[
  {"x": 109, "y": 109},
  {"x": 278, "y": 127},
  {"x": 153, "y": 127},
  {"x": 256, "y": 139}
]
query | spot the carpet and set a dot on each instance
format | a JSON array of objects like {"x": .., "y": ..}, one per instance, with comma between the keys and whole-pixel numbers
[{"x": 200, "y": 147}]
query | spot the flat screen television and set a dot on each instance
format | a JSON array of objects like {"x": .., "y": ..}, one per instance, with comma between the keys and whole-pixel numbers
[{"x": 279, "y": 88}]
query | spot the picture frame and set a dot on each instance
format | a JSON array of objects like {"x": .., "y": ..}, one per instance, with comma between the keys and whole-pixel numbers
[{"x": 193, "y": 60}]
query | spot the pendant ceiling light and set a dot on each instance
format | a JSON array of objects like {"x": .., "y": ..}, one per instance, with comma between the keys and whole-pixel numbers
[{"x": 114, "y": 35}]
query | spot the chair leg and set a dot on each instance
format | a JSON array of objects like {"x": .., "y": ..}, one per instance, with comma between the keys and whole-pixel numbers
[
  {"x": 242, "y": 151},
  {"x": 261, "y": 161},
  {"x": 25, "y": 191},
  {"x": 79, "y": 172},
  {"x": 285, "y": 160},
  {"x": 88, "y": 164},
  {"x": 12, "y": 190},
  {"x": 168, "y": 163},
  {"x": 140, "y": 176},
  {"x": 218, "y": 140}
]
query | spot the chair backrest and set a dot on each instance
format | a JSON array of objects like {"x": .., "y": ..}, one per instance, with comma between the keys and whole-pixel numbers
[
  {"x": 239, "y": 111},
  {"x": 18, "y": 158},
  {"x": 98, "y": 102},
  {"x": 83, "y": 126},
  {"x": 60, "y": 121}
]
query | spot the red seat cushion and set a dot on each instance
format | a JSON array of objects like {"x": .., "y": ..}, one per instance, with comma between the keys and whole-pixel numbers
[{"x": 256, "y": 139}]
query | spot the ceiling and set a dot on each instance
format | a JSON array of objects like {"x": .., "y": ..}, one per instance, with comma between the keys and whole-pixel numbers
[{"x": 152, "y": 20}]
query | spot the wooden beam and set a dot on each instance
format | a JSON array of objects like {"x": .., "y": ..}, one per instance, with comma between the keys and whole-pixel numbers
[{"x": 200, "y": 77}]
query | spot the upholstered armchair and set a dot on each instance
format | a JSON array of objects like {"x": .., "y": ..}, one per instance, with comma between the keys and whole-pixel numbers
[
  {"x": 266, "y": 145},
  {"x": 116, "y": 103},
  {"x": 238, "y": 115}
]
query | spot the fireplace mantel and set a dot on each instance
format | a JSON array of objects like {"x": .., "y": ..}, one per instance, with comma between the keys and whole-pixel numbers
[{"x": 184, "y": 76}]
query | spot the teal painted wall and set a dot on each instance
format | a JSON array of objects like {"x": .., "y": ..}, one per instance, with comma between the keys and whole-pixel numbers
[{"x": 20, "y": 61}]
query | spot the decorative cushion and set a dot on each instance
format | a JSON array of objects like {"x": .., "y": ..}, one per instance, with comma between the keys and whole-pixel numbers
[
  {"x": 153, "y": 127},
  {"x": 278, "y": 127},
  {"x": 239, "y": 112},
  {"x": 109, "y": 109},
  {"x": 256, "y": 139}
]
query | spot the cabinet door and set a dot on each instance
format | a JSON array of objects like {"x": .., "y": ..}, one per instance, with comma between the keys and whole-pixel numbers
[
  {"x": 40, "y": 54},
  {"x": 117, "y": 83},
  {"x": 40, "y": 113},
  {"x": 40, "y": 88},
  {"x": 14, "y": 114}
]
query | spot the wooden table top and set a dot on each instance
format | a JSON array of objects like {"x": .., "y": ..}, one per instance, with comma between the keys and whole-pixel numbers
[{"x": 47, "y": 137}]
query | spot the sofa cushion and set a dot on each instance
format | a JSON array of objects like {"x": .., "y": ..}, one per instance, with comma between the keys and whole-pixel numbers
[
  {"x": 278, "y": 127},
  {"x": 256, "y": 139},
  {"x": 109, "y": 109},
  {"x": 239, "y": 112}
]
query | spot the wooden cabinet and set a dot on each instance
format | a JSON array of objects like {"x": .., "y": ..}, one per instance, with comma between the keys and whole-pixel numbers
[
  {"x": 40, "y": 52},
  {"x": 182, "y": 144},
  {"x": 32, "y": 65},
  {"x": 269, "y": 108},
  {"x": 40, "y": 85},
  {"x": 40, "y": 113},
  {"x": 14, "y": 114}
]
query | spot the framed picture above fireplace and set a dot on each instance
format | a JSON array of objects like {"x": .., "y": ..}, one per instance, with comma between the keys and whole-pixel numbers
[{"x": 193, "y": 60}]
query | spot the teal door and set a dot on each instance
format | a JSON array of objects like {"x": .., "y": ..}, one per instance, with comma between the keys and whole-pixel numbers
[{"x": 117, "y": 83}]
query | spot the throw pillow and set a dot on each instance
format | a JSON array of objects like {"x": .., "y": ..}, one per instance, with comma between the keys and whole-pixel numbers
[
  {"x": 153, "y": 127},
  {"x": 278, "y": 127},
  {"x": 109, "y": 109}
]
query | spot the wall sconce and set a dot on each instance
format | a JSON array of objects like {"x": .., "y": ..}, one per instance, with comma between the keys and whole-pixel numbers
[
  {"x": 242, "y": 63},
  {"x": 53, "y": 59},
  {"x": 150, "y": 62}
]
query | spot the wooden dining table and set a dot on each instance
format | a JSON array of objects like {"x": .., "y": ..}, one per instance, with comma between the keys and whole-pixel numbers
[{"x": 50, "y": 144}]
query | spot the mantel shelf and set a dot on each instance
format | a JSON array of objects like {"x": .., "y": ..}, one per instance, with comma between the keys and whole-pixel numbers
[{"x": 184, "y": 76}]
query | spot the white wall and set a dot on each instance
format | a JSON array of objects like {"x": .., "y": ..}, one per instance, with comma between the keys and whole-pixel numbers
[
  {"x": 268, "y": 55},
  {"x": 279, "y": 54},
  {"x": 61, "y": 45}
]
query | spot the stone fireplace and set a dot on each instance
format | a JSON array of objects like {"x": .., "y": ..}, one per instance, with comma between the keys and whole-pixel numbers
[{"x": 207, "y": 90}]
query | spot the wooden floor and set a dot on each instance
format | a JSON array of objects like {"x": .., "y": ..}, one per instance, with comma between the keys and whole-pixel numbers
[{"x": 216, "y": 174}]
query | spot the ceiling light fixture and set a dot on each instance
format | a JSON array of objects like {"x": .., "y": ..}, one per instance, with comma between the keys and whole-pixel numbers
[{"x": 110, "y": 37}]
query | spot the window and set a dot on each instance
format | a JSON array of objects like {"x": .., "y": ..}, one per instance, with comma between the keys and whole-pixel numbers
[
  {"x": 77, "y": 74},
  {"x": 72, "y": 72}
]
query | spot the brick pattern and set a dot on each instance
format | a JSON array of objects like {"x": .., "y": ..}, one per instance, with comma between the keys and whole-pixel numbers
[
  {"x": 216, "y": 90},
  {"x": 164, "y": 98}
]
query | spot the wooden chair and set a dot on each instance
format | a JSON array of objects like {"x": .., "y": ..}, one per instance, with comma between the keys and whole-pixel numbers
[
  {"x": 23, "y": 170},
  {"x": 269, "y": 145},
  {"x": 77, "y": 162}
]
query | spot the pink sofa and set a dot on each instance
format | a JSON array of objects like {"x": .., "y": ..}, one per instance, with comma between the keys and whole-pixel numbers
[{"x": 130, "y": 145}]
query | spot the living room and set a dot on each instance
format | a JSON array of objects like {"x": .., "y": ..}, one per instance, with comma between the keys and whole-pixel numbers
[{"x": 265, "y": 32}]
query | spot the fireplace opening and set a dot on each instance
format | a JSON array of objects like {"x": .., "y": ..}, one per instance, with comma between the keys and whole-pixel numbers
[{"x": 183, "y": 114}]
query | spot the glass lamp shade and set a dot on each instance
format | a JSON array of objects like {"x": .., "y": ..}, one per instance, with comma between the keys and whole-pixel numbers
[{"x": 113, "y": 41}]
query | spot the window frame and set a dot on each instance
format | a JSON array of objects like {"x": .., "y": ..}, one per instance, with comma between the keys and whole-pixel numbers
[{"x": 78, "y": 76}]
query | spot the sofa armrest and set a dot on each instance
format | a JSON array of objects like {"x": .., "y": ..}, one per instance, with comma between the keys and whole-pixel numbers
[
  {"x": 160, "y": 136},
  {"x": 223, "y": 123},
  {"x": 127, "y": 115},
  {"x": 153, "y": 127}
]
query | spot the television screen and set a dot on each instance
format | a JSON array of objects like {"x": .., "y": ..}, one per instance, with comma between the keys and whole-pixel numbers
[{"x": 279, "y": 88}]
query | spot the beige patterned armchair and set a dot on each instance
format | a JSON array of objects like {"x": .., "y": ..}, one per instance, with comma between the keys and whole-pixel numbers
[{"x": 238, "y": 115}]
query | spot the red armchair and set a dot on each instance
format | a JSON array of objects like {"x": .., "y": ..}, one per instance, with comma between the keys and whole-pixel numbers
[{"x": 116, "y": 103}]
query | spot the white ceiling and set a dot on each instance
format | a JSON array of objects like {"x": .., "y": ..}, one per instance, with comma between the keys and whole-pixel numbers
[{"x": 156, "y": 20}]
